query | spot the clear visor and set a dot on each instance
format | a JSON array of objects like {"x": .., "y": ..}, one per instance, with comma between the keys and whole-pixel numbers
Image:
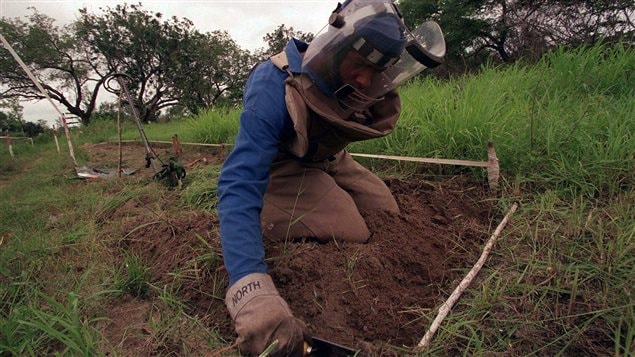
[
  {"x": 326, "y": 52},
  {"x": 425, "y": 48}
]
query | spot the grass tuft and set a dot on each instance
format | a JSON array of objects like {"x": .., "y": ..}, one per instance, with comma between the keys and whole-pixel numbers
[{"x": 133, "y": 277}]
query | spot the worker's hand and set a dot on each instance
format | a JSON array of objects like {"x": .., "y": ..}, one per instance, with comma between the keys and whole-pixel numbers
[{"x": 261, "y": 316}]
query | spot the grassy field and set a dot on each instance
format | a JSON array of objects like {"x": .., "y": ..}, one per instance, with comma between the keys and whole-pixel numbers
[{"x": 561, "y": 277}]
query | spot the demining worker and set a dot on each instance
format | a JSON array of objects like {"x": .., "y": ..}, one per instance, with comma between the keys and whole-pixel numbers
[{"x": 289, "y": 176}]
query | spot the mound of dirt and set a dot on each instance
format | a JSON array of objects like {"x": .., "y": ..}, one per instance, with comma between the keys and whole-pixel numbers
[
  {"x": 375, "y": 292},
  {"x": 366, "y": 296}
]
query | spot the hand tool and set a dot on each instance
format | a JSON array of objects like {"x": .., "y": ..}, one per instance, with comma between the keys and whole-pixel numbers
[{"x": 323, "y": 348}]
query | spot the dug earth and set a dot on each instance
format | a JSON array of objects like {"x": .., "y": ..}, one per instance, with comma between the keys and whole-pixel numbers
[{"x": 381, "y": 295}]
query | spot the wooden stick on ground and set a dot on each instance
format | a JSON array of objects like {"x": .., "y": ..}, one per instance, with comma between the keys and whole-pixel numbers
[
  {"x": 492, "y": 166},
  {"x": 181, "y": 143},
  {"x": 426, "y": 160},
  {"x": 447, "y": 306}
]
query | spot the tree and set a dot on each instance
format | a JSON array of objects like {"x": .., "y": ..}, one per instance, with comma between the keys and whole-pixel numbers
[
  {"x": 4, "y": 122},
  {"x": 68, "y": 74},
  {"x": 214, "y": 72},
  {"x": 506, "y": 30},
  {"x": 538, "y": 25},
  {"x": 14, "y": 108},
  {"x": 277, "y": 39},
  {"x": 10, "y": 124},
  {"x": 12, "y": 120},
  {"x": 33, "y": 129},
  {"x": 154, "y": 53},
  {"x": 457, "y": 20}
]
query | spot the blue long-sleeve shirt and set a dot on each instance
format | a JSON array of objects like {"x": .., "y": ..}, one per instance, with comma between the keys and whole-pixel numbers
[{"x": 264, "y": 123}]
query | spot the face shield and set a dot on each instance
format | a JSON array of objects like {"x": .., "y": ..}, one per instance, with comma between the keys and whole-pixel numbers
[
  {"x": 425, "y": 49},
  {"x": 367, "y": 51}
]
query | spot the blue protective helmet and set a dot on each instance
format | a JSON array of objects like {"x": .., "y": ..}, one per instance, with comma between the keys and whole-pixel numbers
[
  {"x": 374, "y": 29},
  {"x": 380, "y": 40}
]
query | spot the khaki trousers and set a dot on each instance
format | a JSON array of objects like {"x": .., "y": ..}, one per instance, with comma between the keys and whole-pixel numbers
[{"x": 322, "y": 200}]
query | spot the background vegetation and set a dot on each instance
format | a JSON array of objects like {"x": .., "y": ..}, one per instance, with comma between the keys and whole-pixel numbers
[
  {"x": 173, "y": 69},
  {"x": 559, "y": 281},
  {"x": 170, "y": 66}
]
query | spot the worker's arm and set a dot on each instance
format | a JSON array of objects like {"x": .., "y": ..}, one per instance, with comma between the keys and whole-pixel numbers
[{"x": 259, "y": 312}]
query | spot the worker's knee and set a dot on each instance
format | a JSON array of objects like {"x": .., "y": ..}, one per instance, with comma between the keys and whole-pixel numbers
[{"x": 334, "y": 217}]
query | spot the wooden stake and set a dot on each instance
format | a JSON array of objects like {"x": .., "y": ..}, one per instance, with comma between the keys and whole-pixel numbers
[
  {"x": 57, "y": 143},
  {"x": 176, "y": 145},
  {"x": 492, "y": 166},
  {"x": 119, "y": 136},
  {"x": 447, "y": 306},
  {"x": 493, "y": 169},
  {"x": 10, "y": 142},
  {"x": 37, "y": 83}
]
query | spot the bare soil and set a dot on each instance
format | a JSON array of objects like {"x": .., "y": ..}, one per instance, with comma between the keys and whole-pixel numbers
[{"x": 366, "y": 296}]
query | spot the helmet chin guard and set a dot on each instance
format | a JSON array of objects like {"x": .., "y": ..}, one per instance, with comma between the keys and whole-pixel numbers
[
  {"x": 375, "y": 30},
  {"x": 352, "y": 98}
]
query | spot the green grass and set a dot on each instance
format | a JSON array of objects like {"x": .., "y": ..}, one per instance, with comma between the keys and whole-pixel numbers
[
  {"x": 198, "y": 192},
  {"x": 56, "y": 277},
  {"x": 553, "y": 124},
  {"x": 132, "y": 277},
  {"x": 211, "y": 126},
  {"x": 38, "y": 330},
  {"x": 559, "y": 281},
  {"x": 215, "y": 126}
]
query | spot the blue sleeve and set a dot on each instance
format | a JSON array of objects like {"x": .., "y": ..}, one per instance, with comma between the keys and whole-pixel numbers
[{"x": 245, "y": 173}]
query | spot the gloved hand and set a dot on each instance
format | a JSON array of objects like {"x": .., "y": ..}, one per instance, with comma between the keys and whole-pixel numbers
[{"x": 261, "y": 316}]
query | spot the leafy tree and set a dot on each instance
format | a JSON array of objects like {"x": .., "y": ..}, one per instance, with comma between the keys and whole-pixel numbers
[
  {"x": 12, "y": 119},
  {"x": 213, "y": 72},
  {"x": 4, "y": 122},
  {"x": 7, "y": 123},
  {"x": 32, "y": 129},
  {"x": 541, "y": 24},
  {"x": 167, "y": 62},
  {"x": 43, "y": 123},
  {"x": 14, "y": 109},
  {"x": 151, "y": 51},
  {"x": 277, "y": 39},
  {"x": 507, "y": 30},
  {"x": 107, "y": 111},
  {"x": 69, "y": 75}
]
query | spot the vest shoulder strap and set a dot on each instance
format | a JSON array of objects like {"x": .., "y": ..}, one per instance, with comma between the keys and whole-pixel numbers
[{"x": 280, "y": 61}]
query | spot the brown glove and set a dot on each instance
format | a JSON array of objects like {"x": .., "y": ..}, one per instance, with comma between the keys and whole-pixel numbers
[{"x": 261, "y": 316}]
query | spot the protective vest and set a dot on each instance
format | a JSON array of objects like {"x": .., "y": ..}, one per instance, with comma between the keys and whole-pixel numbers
[{"x": 322, "y": 127}]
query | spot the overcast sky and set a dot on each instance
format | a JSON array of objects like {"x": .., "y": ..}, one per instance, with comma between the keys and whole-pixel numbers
[{"x": 246, "y": 21}]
